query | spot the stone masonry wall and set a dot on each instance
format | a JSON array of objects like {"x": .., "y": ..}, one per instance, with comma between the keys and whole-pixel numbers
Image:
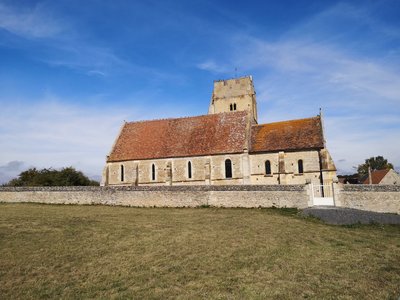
[
  {"x": 379, "y": 198},
  {"x": 164, "y": 196}
]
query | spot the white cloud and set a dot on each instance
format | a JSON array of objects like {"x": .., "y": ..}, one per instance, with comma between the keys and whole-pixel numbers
[
  {"x": 33, "y": 22},
  {"x": 79, "y": 56},
  {"x": 212, "y": 66},
  {"x": 312, "y": 66},
  {"x": 360, "y": 97},
  {"x": 96, "y": 73},
  {"x": 53, "y": 132},
  {"x": 62, "y": 44}
]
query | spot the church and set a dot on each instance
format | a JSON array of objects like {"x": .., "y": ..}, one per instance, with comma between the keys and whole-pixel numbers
[{"x": 225, "y": 147}]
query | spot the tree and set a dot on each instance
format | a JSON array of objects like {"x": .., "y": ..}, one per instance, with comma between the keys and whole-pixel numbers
[
  {"x": 375, "y": 163},
  {"x": 50, "y": 177}
]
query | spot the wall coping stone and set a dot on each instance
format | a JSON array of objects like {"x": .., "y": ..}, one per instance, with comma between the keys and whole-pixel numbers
[
  {"x": 176, "y": 188},
  {"x": 370, "y": 188}
]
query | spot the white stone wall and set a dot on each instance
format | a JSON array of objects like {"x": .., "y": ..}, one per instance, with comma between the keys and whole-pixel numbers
[
  {"x": 378, "y": 198},
  {"x": 183, "y": 196}
]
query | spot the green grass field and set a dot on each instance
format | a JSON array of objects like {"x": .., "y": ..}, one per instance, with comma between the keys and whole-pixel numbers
[{"x": 50, "y": 251}]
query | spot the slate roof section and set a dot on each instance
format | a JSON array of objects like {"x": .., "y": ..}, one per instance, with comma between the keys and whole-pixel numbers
[
  {"x": 287, "y": 135},
  {"x": 183, "y": 137},
  {"x": 376, "y": 176}
]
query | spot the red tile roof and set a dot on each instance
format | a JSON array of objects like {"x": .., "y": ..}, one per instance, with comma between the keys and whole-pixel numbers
[
  {"x": 376, "y": 176},
  {"x": 288, "y": 135},
  {"x": 193, "y": 136}
]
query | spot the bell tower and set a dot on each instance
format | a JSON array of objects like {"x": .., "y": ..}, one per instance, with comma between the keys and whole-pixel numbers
[{"x": 232, "y": 95}]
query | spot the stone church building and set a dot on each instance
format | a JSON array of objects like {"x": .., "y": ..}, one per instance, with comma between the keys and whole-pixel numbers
[{"x": 225, "y": 147}]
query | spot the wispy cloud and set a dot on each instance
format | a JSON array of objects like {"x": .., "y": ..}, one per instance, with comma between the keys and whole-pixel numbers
[
  {"x": 53, "y": 132},
  {"x": 59, "y": 42},
  {"x": 212, "y": 66},
  {"x": 341, "y": 59},
  {"x": 313, "y": 66},
  {"x": 96, "y": 73},
  {"x": 34, "y": 22},
  {"x": 58, "y": 134},
  {"x": 325, "y": 65},
  {"x": 90, "y": 59}
]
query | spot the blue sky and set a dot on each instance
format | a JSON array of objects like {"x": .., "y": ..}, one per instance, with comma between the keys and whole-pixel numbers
[{"x": 72, "y": 71}]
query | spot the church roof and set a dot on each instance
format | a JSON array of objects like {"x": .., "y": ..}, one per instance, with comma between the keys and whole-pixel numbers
[
  {"x": 194, "y": 136},
  {"x": 287, "y": 135}
]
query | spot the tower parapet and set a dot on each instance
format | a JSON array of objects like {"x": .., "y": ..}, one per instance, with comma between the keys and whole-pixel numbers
[{"x": 237, "y": 94}]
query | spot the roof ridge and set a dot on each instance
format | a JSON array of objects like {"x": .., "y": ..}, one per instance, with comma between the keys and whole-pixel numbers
[
  {"x": 186, "y": 117},
  {"x": 277, "y": 122}
]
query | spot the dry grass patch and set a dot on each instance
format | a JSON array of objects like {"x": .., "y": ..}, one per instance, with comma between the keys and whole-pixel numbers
[{"x": 50, "y": 251}]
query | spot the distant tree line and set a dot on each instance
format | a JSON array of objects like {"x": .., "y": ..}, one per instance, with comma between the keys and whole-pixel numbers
[
  {"x": 372, "y": 163},
  {"x": 375, "y": 163},
  {"x": 51, "y": 177}
]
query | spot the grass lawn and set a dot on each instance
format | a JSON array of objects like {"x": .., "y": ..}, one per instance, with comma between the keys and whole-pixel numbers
[{"x": 55, "y": 251}]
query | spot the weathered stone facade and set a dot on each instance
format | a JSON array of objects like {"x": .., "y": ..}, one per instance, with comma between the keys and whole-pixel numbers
[
  {"x": 174, "y": 171},
  {"x": 163, "y": 196},
  {"x": 226, "y": 147},
  {"x": 379, "y": 198},
  {"x": 234, "y": 95}
]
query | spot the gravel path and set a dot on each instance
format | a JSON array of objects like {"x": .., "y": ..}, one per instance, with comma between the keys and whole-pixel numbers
[{"x": 348, "y": 216}]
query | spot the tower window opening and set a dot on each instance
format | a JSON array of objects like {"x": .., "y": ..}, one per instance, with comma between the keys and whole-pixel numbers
[
  {"x": 231, "y": 107},
  {"x": 228, "y": 168},
  {"x": 234, "y": 106}
]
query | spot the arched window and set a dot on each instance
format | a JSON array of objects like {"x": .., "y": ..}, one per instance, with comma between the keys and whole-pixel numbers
[
  {"x": 122, "y": 173},
  {"x": 300, "y": 166},
  {"x": 234, "y": 106},
  {"x": 231, "y": 107},
  {"x": 228, "y": 168},
  {"x": 267, "y": 167},
  {"x": 153, "y": 172},
  {"x": 189, "y": 170}
]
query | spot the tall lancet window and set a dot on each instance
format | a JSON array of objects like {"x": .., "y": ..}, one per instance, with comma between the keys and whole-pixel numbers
[
  {"x": 189, "y": 169},
  {"x": 267, "y": 167},
  {"x": 228, "y": 168},
  {"x": 122, "y": 173},
  {"x": 300, "y": 166},
  {"x": 153, "y": 172}
]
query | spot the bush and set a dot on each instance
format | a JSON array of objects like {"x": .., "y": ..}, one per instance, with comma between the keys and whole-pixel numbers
[{"x": 50, "y": 177}]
